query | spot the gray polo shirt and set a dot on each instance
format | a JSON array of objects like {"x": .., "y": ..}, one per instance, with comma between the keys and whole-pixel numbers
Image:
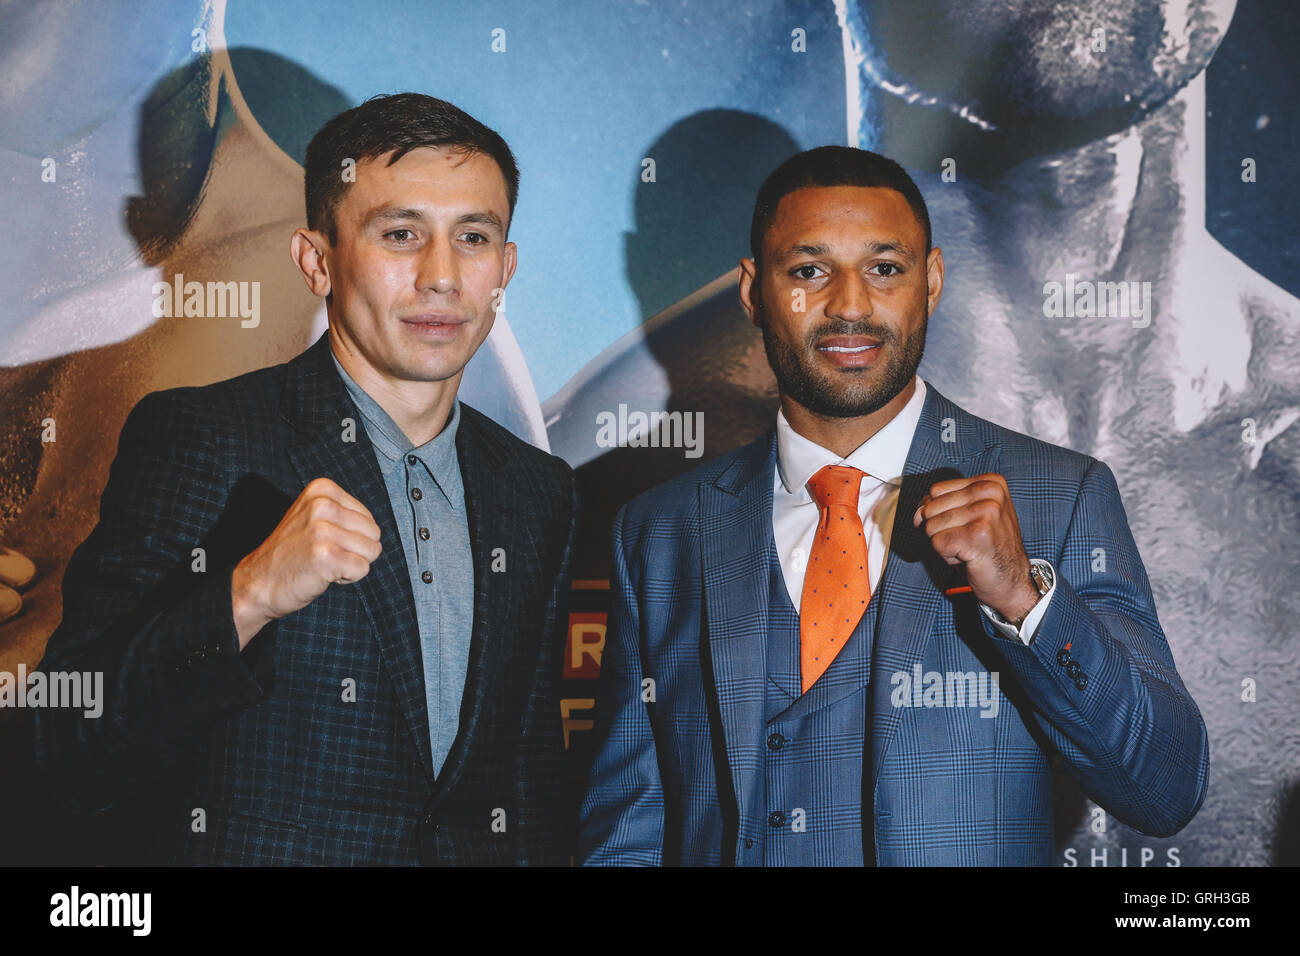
[{"x": 428, "y": 499}]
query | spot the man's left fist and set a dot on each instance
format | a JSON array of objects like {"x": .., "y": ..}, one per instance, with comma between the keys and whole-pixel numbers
[{"x": 971, "y": 521}]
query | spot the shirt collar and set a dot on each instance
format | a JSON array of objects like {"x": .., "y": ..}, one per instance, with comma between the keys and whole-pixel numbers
[
  {"x": 438, "y": 454},
  {"x": 882, "y": 456}
]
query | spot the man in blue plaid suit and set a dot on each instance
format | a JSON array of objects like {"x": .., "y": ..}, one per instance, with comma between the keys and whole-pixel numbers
[
  {"x": 994, "y": 616},
  {"x": 328, "y": 598}
]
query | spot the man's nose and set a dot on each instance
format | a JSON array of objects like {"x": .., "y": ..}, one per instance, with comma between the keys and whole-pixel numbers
[
  {"x": 850, "y": 297},
  {"x": 439, "y": 268}
]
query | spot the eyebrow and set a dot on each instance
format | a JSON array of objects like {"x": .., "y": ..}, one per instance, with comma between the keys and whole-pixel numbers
[
  {"x": 485, "y": 218},
  {"x": 405, "y": 213},
  {"x": 389, "y": 213},
  {"x": 819, "y": 249}
]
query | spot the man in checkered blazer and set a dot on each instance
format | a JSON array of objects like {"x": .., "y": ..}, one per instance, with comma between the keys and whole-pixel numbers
[
  {"x": 328, "y": 599},
  {"x": 867, "y": 637}
]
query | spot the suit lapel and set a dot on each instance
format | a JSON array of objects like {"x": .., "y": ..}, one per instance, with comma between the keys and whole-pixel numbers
[
  {"x": 735, "y": 530},
  {"x": 946, "y": 445},
  {"x": 316, "y": 402},
  {"x": 490, "y": 510}
]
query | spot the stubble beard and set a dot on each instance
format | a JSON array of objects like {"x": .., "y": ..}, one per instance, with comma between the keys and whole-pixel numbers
[{"x": 868, "y": 390}]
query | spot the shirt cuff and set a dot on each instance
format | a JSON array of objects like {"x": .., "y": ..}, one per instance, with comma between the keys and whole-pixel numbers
[{"x": 1024, "y": 633}]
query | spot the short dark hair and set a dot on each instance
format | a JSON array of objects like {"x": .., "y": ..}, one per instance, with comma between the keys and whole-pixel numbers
[
  {"x": 397, "y": 123},
  {"x": 832, "y": 166}
]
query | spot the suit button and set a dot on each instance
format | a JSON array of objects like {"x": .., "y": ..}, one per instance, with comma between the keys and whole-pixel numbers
[
  {"x": 1063, "y": 657},
  {"x": 776, "y": 819},
  {"x": 1074, "y": 669},
  {"x": 427, "y": 577},
  {"x": 417, "y": 494},
  {"x": 1081, "y": 682},
  {"x": 749, "y": 844},
  {"x": 412, "y": 460},
  {"x": 424, "y": 534},
  {"x": 775, "y": 741}
]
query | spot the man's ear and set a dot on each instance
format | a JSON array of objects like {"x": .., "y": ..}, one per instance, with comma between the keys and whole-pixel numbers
[
  {"x": 933, "y": 280},
  {"x": 307, "y": 249},
  {"x": 748, "y": 276},
  {"x": 509, "y": 261}
]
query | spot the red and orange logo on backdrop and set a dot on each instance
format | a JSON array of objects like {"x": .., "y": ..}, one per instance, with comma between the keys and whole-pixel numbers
[
  {"x": 582, "y": 652},
  {"x": 586, "y": 642}
]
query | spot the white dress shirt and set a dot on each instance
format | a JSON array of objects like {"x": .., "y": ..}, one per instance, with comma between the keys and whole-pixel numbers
[{"x": 795, "y": 513}]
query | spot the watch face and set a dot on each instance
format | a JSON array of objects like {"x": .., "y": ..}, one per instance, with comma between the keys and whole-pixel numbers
[{"x": 1042, "y": 578}]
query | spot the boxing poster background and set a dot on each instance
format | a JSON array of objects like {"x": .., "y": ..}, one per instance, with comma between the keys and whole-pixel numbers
[{"x": 1112, "y": 183}]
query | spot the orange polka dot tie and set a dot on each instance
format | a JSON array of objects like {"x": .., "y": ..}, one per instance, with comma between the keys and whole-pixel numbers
[{"x": 836, "y": 587}]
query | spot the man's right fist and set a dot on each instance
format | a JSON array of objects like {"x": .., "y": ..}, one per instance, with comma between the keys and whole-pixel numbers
[{"x": 326, "y": 537}]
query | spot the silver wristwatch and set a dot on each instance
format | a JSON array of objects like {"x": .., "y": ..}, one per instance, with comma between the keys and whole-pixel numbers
[{"x": 1040, "y": 572}]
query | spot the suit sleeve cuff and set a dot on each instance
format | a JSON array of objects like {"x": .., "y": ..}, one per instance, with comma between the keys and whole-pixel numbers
[
  {"x": 1025, "y": 632},
  {"x": 206, "y": 658}
]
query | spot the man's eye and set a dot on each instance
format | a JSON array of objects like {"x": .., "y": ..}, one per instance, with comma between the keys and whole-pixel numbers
[
  {"x": 400, "y": 235},
  {"x": 890, "y": 269},
  {"x": 475, "y": 238},
  {"x": 805, "y": 272}
]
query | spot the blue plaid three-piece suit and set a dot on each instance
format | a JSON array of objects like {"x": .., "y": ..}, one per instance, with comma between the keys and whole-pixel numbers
[
  {"x": 697, "y": 747},
  {"x": 312, "y": 745}
]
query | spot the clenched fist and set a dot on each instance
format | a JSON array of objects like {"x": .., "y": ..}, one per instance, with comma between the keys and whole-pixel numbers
[
  {"x": 326, "y": 537},
  {"x": 971, "y": 521}
]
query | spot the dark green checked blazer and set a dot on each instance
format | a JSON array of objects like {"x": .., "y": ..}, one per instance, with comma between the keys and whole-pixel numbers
[{"x": 262, "y": 757}]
